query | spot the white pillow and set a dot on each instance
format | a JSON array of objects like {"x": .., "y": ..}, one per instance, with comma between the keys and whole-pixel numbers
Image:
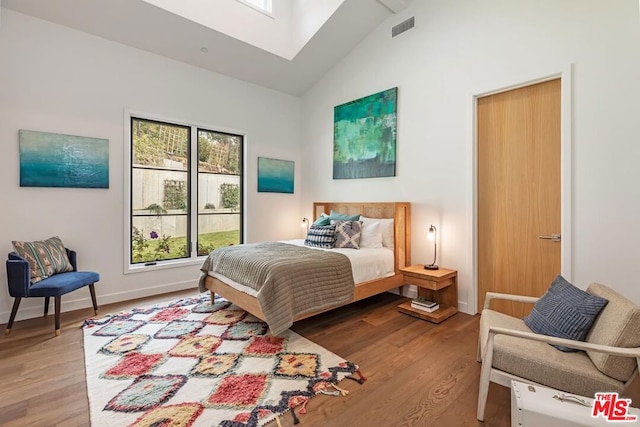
[
  {"x": 386, "y": 227},
  {"x": 371, "y": 236}
]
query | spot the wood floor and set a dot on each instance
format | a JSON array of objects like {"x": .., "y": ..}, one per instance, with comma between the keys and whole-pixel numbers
[{"x": 419, "y": 373}]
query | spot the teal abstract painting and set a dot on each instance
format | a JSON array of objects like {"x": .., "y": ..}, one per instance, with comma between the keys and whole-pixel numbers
[
  {"x": 364, "y": 136},
  {"x": 56, "y": 160},
  {"x": 275, "y": 176}
]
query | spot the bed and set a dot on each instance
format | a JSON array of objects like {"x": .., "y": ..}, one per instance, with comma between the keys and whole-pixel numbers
[{"x": 245, "y": 297}]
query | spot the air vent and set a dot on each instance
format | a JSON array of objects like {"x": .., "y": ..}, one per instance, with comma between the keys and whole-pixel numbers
[{"x": 403, "y": 26}]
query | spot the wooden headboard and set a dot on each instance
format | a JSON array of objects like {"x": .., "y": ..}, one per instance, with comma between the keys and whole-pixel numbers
[{"x": 399, "y": 211}]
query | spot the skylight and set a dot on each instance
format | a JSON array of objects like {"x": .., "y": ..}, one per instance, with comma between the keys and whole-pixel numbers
[
  {"x": 281, "y": 28},
  {"x": 261, "y": 5}
]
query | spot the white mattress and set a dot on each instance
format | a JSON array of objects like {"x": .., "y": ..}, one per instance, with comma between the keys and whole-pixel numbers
[{"x": 366, "y": 264}]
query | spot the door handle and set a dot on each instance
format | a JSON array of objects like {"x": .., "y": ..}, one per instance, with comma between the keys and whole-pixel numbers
[{"x": 552, "y": 237}]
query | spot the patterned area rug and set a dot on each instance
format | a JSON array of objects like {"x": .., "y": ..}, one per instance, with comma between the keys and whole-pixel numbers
[{"x": 190, "y": 363}]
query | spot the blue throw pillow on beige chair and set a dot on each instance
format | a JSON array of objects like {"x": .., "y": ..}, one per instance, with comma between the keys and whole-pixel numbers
[{"x": 564, "y": 311}]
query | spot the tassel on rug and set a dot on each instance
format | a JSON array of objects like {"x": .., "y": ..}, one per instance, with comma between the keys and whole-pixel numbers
[
  {"x": 295, "y": 418},
  {"x": 342, "y": 391},
  {"x": 303, "y": 408},
  {"x": 359, "y": 380},
  {"x": 295, "y": 401}
]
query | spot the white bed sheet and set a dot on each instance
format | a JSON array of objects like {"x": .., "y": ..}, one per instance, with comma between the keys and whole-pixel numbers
[{"x": 366, "y": 264}]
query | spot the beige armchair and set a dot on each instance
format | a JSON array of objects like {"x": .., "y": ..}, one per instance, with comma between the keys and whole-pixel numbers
[{"x": 508, "y": 350}]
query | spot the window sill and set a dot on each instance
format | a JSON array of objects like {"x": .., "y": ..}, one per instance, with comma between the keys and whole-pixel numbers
[{"x": 162, "y": 265}]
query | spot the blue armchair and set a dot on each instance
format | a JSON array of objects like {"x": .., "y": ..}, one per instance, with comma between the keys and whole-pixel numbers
[{"x": 19, "y": 280}]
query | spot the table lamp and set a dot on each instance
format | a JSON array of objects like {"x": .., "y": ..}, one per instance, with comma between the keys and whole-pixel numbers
[{"x": 431, "y": 235}]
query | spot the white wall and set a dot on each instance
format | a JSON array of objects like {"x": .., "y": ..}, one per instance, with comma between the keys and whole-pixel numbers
[
  {"x": 55, "y": 79},
  {"x": 59, "y": 80},
  {"x": 307, "y": 17},
  {"x": 460, "y": 48}
]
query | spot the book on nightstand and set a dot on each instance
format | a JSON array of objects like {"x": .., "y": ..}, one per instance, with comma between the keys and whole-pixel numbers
[
  {"x": 425, "y": 305},
  {"x": 424, "y": 302}
]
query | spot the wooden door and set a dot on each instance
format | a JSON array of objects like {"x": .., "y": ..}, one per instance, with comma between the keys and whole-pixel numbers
[{"x": 518, "y": 192}]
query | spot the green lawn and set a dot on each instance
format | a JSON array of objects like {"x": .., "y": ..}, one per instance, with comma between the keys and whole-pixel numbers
[
  {"x": 177, "y": 245},
  {"x": 209, "y": 241}
]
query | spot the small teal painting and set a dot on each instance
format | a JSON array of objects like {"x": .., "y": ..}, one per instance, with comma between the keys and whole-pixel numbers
[
  {"x": 364, "y": 136},
  {"x": 56, "y": 160},
  {"x": 275, "y": 176}
]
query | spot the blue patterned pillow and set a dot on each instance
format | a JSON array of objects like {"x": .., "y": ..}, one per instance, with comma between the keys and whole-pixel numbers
[
  {"x": 348, "y": 234},
  {"x": 323, "y": 219},
  {"x": 321, "y": 236},
  {"x": 564, "y": 311},
  {"x": 336, "y": 216}
]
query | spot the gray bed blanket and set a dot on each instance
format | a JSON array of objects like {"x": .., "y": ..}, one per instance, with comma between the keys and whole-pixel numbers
[{"x": 290, "y": 280}]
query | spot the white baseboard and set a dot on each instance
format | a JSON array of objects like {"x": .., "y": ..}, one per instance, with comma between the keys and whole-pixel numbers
[
  {"x": 408, "y": 291},
  {"x": 81, "y": 298},
  {"x": 411, "y": 292},
  {"x": 33, "y": 307},
  {"x": 463, "y": 307}
]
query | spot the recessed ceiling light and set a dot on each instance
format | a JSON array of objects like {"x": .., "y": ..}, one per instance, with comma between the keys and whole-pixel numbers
[{"x": 204, "y": 50}]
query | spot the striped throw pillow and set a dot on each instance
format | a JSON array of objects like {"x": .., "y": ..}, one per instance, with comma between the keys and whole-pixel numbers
[
  {"x": 564, "y": 311},
  {"x": 45, "y": 257},
  {"x": 321, "y": 236}
]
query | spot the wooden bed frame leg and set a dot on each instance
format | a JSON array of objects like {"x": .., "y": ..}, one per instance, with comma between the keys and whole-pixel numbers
[
  {"x": 272, "y": 338},
  {"x": 213, "y": 297}
]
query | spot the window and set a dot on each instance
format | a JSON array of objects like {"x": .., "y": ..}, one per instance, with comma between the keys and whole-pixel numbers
[
  {"x": 173, "y": 202},
  {"x": 260, "y": 5},
  {"x": 219, "y": 190}
]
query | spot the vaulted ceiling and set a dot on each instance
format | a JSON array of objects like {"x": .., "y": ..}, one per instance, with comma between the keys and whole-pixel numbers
[{"x": 141, "y": 25}]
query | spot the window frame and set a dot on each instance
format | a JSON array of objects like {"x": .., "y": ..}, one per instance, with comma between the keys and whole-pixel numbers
[
  {"x": 192, "y": 210},
  {"x": 267, "y": 10}
]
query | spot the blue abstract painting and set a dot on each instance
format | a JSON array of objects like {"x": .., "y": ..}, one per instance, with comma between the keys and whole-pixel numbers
[
  {"x": 275, "y": 176},
  {"x": 56, "y": 160}
]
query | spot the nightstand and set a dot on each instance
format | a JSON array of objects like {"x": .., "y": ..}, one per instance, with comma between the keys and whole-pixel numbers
[{"x": 440, "y": 286}]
